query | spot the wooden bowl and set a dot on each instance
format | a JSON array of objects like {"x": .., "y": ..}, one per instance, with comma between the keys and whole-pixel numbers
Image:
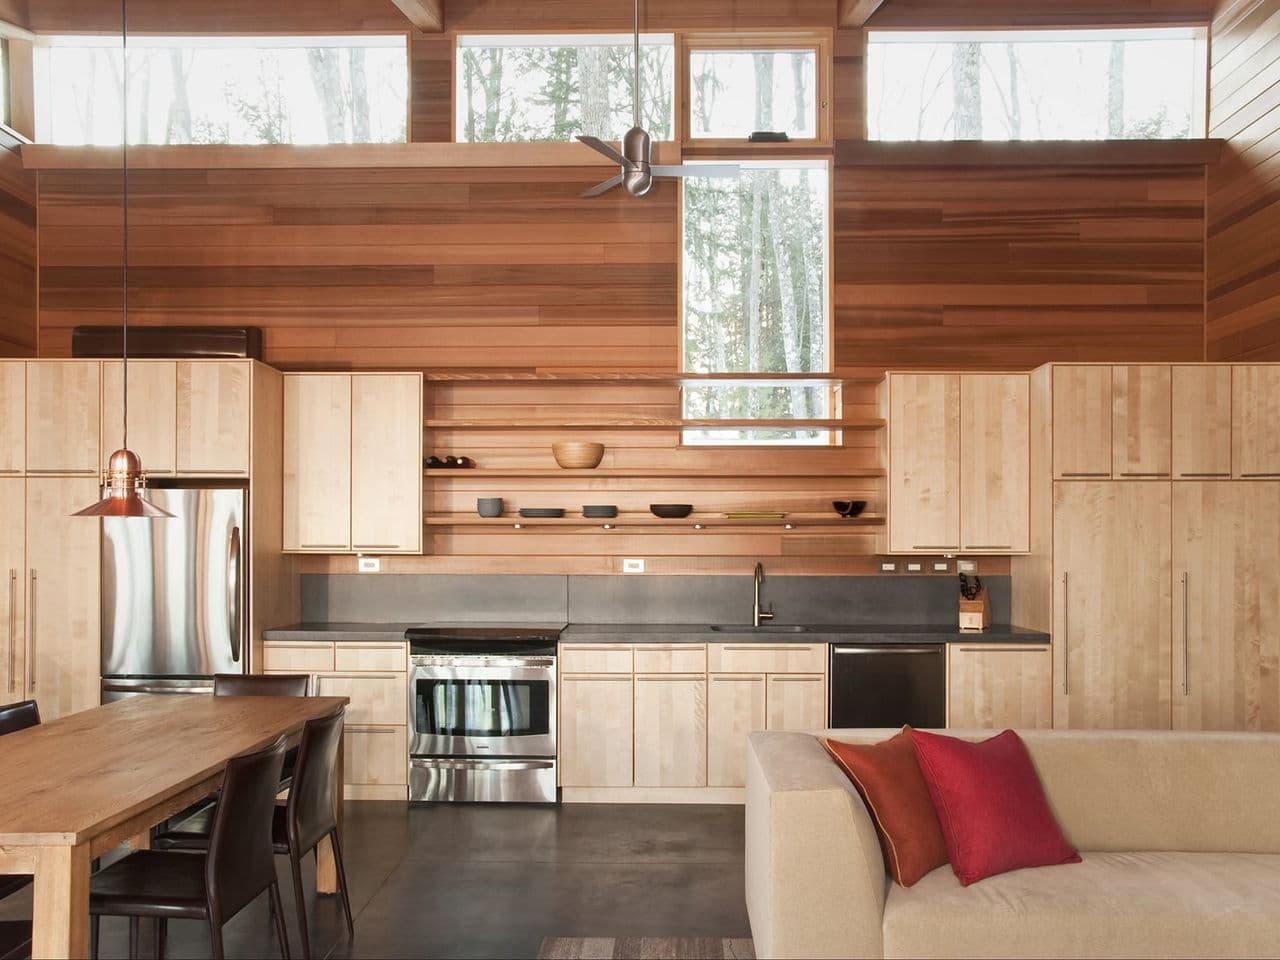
[{"x": 577, "y": 454}]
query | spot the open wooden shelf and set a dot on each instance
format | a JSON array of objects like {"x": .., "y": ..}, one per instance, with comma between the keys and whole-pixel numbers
[
  {"x": 652, "y": 423},
  {"x": 838, "y": 473},
  {"x": 572, "y": 376},
  {"x": 643, "y": 520}
]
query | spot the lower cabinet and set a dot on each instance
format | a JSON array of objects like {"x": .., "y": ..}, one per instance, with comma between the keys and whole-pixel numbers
[
  {"x": 999, "y": 686},
  {"x": 374, "y": 676},
  {"x": 597, "y": 730},
  {"x": 670, "y": 721}
]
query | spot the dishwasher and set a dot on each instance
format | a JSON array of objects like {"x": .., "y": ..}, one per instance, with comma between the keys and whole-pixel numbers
[{"x": 888, "y": 685}]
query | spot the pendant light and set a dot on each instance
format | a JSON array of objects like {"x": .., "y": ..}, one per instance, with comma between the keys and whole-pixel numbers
[{"x": 124, "y": 479}]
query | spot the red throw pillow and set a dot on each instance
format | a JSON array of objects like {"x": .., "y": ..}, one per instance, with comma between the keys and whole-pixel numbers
[
  {"x": 888, "y": 777},
  {"x": 991, "y": 804}
]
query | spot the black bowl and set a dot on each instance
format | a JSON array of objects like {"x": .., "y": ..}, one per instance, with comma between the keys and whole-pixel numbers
[
  {"x": 600, "y": 511},
  {"x": 849, "y": 508},
  {"x": 671, "y": 511}
]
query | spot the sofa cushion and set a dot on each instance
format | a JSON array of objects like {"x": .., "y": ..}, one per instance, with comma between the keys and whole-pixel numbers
[
  {"x": 889, "y": 780},
  {"x": 992, "y": 807},
  {"x": 1159, "y": 904}
]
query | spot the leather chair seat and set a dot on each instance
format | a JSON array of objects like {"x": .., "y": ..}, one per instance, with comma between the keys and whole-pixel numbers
[{"x": 152, "y": 883}]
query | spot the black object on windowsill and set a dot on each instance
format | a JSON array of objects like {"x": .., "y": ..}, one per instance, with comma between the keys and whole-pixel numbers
[{"x": 769, "y": 136}]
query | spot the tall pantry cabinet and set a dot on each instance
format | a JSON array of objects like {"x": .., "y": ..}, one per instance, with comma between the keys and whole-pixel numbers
[{"x": 1155, "y": 559}]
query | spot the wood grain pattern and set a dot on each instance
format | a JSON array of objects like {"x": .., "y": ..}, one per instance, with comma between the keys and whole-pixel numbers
[
  {"x": 1141, "y": 422},
  {"x": 1201, "y": 421},
  {"x": 1243, "y": 265},
  {"x": 671, "y": 732},
  {"x": 735, "y": 707},
  {"x": 13, "y": 589},
  {"x": 153, "y": 423},
  {"x": 796, "y": 702},
  {"x": 1082, "y": 419},
  {"x": 386, "y": 460},
  {"x": 18, "y": 329},
  {"x": 995, "y": 433},
  {"x": 924, "y": 463},
  {"x": 1255, "y": 406},
  {"x": 596, "y": 730},
  {"x": 62, "y": 417},
  {"x": 1053, "y": 13},
  {"x": 13, "y": 417},
  {"x": 999, "y": 687}
]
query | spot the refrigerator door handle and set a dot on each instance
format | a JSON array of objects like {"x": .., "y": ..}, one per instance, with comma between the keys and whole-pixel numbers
[{"x": 233, "y": 591}]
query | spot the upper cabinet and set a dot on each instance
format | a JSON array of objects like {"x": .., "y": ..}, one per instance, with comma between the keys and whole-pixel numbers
[
  {"x": 153, "y": 415},
  {"x": 13, "y": 417},
  {"x": 353, "y": 463},
  {"x": 1201, "y": 422},
  {"x": 924, "y": 462},
  {"x": 63, "y": 417},
  {"x": 1082, "y": 410},
  {"x": 1141, "y": 425},
  {"x": 959, "y": 463},
  {"x": 995, "y": 462},
  {"x": 213, "y": 417},
  {"x": 1255, "y": 409}
]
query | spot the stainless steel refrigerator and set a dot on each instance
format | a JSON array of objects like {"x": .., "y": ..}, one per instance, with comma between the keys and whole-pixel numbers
[{"x": 173, "y": 594}]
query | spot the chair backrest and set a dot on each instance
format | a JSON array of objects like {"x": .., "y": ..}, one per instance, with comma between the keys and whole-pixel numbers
[
  {"x": 312, "y": 808},
  {"x": 241, "y": 862},
  {"x": 18, "y": 716},
  {"x": 260, "y": 685}
]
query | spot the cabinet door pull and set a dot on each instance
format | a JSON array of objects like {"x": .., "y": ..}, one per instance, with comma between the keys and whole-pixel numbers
[
  {"x": 1066, "y": 635},
  {"x": 1258, "y": 476},
  {"x": 936, "y": 546},
  {"x": 989, "y": 546},
  {"x": 1077, "y": 475},
  {"x": 1186, "y": 637},
  {"x": 13, "y": 626},
  {"x": 375, "y": 546},
  {"x": 323, "y": 546},
  {"x": 1148, "y": 476},
  {"x": 31, "y": 639},
  {"x": 1206, "y": 476}
]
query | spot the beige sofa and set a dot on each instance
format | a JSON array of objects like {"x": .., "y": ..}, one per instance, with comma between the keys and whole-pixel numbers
[{"x": 1180, "y": 835}]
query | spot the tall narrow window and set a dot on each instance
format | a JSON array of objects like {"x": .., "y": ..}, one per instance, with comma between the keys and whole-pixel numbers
[
  {"x": 756, "y": 302},
  {"x": 1036, "y": 85},
  {"x": 525, "y": 88},
  {"x": 242, "y": 90}
]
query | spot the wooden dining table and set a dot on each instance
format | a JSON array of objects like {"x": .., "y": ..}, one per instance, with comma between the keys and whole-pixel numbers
[{"x": 74, "y": 789}]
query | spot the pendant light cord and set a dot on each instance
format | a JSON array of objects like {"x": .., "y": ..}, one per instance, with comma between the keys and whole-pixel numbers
[
  {"x": 635, "y": 73},
  {"x": 124, "y": 260}
]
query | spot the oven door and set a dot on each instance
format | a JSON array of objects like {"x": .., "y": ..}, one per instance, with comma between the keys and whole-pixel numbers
[{"x": 483, "y": 707}]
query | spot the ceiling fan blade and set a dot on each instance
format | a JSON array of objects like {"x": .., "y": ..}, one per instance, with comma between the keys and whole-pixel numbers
[
  {"x": 604, "y": 186},
  {"x": 599, "y": 146},
  {"x": 697, "y": 170}
]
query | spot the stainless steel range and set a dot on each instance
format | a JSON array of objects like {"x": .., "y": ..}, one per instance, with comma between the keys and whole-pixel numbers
[{"x": 482, "y": 704}]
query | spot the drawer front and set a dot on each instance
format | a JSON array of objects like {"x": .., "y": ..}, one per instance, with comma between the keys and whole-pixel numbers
[
  {"x": 768, "y": 658},
  {"x": 286, "y": 656},
  {"x": 595, "y": 658},
  {"x": 377, "y": 657},
  {"x": 671, "y": 658},
  {"x": 377, "y": 698},
  {"x": 376, "y": 755}
]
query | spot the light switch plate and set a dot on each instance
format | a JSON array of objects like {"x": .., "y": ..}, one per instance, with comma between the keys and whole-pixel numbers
[
  {"x": 888, "y": 568},
  {"x": 369, "y": 564},
  {"x": 941, "y": 566},
  {"x": 966, "y": 566},
  {"x": 915, "y": 567},
  {"x": 632, "y": 565}
]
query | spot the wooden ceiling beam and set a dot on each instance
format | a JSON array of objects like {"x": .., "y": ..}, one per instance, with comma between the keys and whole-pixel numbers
[
  {"x": 426, "y": 15},
  {"x": 856, "y": 13}
]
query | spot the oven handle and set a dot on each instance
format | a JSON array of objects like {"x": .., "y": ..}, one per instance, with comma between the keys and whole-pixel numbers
[
  {"x": 467, "y": 764},
  {"x": 531, "y": 662},
  {"x": 473, "y": 672}
]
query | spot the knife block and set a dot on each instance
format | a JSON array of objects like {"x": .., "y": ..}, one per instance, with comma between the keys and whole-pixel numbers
[{"x": 975, "y": 615}]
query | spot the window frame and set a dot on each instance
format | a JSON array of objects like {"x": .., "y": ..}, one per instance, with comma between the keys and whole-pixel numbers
[
  {"x": 40, "y": 109},
  {"x": 1200, "y": 34},
  {"x": 821, "y": 42}
]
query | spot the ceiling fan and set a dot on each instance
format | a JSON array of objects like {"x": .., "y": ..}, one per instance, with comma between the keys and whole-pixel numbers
[{"x": 638, "y": 170}]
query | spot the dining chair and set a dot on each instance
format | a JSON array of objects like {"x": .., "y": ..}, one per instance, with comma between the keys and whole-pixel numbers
[
  {"x": 189, "y": 829},
  {"x": 15, "y": 935},
  {"x": 238, "y": 866},
  {"x": 311, "y": 813}
]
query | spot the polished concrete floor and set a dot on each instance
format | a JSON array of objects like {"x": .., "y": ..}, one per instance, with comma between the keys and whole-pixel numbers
[{"x": 492, "y": 881}]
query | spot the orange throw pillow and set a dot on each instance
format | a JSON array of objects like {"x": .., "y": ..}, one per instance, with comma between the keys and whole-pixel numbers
[{"x": 888, "y": 777}]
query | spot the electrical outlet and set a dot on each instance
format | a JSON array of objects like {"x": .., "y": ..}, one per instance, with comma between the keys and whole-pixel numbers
[
  {"x": 369, "y": 564},
  {"x": 941, "y": 566},
  {"x": 632, "y": 565},
  {"x": 888, "y": 567},
  {"x": 967, "y": 566},
  {"x": 915, "y": 567}
]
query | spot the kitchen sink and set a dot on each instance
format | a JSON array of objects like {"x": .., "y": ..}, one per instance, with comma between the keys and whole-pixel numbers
[{"x": 763, "y": 628}]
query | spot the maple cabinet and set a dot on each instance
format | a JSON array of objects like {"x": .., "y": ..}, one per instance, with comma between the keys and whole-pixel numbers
[
  {"x": 213, "y": 417},
  {"x": 1141, "y": 422},
  {"x": 671, "y": 736},
  {"x": 999, "y": 686},
  {"x": 1082, "y": 413},
  {"x": 13, "y": 417},
  {"x": 62, "y": 418},
  {"x": 596, "y": 734},
  {"x": 1255, "y": 411},
  {"x": 1202, "y": 428},
  {"x": 995, "y": 488},
  {"x": 153, "y": 414}
]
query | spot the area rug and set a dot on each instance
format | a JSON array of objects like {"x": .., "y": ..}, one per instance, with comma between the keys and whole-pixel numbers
[{"x": 645, "y": 948}]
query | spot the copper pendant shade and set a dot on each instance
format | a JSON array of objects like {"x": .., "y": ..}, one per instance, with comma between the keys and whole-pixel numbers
[{"x": 124, "y": 479}]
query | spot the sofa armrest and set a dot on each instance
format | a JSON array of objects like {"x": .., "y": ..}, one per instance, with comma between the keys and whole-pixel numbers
[{"x": 815, "y": 874}]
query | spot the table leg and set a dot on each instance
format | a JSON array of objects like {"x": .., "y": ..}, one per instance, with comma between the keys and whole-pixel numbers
[
  {"x": 326, "y": 866},
  {"x": 60, "y": 910}
]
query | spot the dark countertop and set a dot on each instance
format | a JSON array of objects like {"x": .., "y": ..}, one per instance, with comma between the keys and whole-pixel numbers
[{"x": 685, "y": 633}]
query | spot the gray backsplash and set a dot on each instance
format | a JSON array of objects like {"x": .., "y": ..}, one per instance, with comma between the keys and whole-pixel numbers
[{"x": 636, "y": 599}]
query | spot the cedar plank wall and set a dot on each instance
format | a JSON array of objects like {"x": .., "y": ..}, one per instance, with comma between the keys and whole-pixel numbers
[
  {"x": 17, "y": 257},
  {"x": 1244, "y": 192}
]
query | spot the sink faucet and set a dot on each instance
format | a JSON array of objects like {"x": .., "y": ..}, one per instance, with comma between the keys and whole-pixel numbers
[{"x": 758, "y": 615}]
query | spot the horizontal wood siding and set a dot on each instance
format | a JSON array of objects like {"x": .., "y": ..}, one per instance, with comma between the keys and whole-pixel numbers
[
  {"x": 17, "y": 257},
  {"x": 1244, "y": 191}
]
